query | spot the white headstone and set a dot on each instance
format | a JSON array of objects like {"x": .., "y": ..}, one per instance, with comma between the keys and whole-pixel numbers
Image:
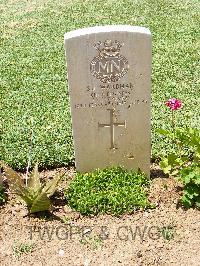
[{"x": 109, "y": 76}]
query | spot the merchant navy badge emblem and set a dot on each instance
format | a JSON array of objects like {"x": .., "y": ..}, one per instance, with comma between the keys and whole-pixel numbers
[{"x": 109, "y": 65}]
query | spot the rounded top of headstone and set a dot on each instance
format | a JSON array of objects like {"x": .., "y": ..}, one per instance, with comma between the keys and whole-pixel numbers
[{"x": 108, "y": 28}]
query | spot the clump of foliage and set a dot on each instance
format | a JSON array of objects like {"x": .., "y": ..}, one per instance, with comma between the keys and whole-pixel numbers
[
  {"x": 34, "y": 193},
  {"x": 190, "y": 177},
  {"x": 2, "y": 194},
  {"x": 185, "y": 161},
  {"x": 113, "y": 191},
  {"x": 22, "y": 248}
]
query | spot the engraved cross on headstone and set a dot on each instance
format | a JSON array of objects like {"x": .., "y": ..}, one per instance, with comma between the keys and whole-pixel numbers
[{"x": 112, "y": 126}]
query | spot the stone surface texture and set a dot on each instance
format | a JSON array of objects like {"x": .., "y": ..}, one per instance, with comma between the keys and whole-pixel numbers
[{"x": 109, "y": 77}]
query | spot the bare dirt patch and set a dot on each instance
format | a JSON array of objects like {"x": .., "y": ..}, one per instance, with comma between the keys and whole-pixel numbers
[{"x": 166, "y": 235}]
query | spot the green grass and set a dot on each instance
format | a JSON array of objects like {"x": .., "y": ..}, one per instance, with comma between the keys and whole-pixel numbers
[
  {"x": 113, "y": 191},
  {"x": 33, "y": 72}
]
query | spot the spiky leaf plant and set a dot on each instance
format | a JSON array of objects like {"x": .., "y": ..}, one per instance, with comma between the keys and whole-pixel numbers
[{"x": 35, "y": 194}]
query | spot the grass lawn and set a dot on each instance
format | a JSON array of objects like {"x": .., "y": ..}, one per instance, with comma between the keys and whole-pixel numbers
[{"x": 33, "y": 88}]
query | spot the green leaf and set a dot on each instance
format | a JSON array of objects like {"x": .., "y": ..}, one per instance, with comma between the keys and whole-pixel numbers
[
  {"x": 191, "y": 191},
  {"x": 185, "y": 158},
  {"x": 191, "y": 174},
  {"x": 187, "y": 202},
  {"x": 34, "y": 179},
  {"x": 172, "y": 159},
  {"x": 167, "y": 170},
  {"x": 165, "y": 166},
  {"x": 163, "y": 132},
  {"x": 50, "y": 187},
  {"x": 26, "y": 196},
  {"x": 41, "y": 203},
  {"x": 187, "y": 179},
  {"x": 174, "y": 172},
  {"x": 16, "y": 182}
]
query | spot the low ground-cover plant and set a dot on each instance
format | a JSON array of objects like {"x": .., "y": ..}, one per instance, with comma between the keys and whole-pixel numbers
[
  {"x": 22, "y": 248},
  {"x": 113, "y": 191},
  {"x": 190, "y": 176},
  {"x": 34, "y": 193},
  {"x": 185, "y": 162}
]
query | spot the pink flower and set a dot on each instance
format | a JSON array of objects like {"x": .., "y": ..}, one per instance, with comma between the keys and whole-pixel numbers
[{"x": 174, "y": 104}]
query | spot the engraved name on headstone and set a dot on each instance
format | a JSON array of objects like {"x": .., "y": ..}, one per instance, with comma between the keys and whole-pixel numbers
[{"x": 109, "y": 76}]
